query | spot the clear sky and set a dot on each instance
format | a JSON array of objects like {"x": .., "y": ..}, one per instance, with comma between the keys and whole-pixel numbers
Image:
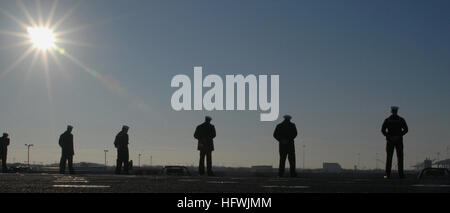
[{"x": 341, "y": 65}]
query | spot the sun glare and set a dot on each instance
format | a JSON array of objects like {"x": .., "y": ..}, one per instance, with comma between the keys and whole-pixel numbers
[
  {"x": 45, "y": 39},
  {"x": 41, "y": 37}
]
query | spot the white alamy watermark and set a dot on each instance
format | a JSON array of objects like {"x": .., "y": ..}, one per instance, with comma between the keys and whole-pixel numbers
[{"x": 213, "y": 99}]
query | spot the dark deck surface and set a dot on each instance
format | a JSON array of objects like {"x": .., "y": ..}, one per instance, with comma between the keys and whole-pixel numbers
[{"x": 311, "y": 183}]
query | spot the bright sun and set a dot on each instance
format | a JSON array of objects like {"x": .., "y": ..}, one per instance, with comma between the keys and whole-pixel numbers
[{"x": 41, "y": 37}]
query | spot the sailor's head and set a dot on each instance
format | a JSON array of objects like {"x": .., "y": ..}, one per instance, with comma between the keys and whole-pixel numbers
[
  {"x": 394, "y": 110},
  {"x": 287, "y": 117},
  {"x": 125, "y": 128},
  {"x": 5, "y": 134},
  {"x": 69, "y": 128},
  {"x": 208, "y": 119}
]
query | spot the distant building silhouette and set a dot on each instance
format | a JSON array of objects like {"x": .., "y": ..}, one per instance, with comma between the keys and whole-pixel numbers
[
  {"x": 331, "y": 167},
  {"x": 394, "y": 128},
  {"x": 427, "y": 163},
  {"x": 443, "y": 163},
  {"x": 285, "y": 133},
  {"x": 262, "y": 169},
  {"x": 121, "y": 143},
  {"x": 4, "y": 143},
  {"x": 67, "y": 152},
  {"x": 205, "y": 133}
]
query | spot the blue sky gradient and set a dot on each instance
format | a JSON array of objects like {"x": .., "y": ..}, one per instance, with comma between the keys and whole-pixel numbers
[{"x": 341, "y": 65}]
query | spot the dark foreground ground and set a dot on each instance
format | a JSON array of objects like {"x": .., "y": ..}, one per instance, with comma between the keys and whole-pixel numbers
[{"x": 306, "y": 183}]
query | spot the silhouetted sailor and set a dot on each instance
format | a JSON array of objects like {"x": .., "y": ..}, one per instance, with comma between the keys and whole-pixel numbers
[
  {"x": 205, "y": 133},
  {"x": 66, "y": 144},
  {"x": 285, "y": 133},
  {"x": 4, "y": 143},
  {"x": 394, "y": 128},
  {"x": 121, "y": 143}
]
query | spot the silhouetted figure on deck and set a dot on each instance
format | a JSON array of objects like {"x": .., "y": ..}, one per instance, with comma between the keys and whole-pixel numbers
[
  {"x": 394, "y": 128},
  {"x": 66, "y": 144},
  {"x": 121, "y": 143},
  {"x": 205, "y": 133},
  {"x": 4, "y": 143},
  {"x": 285, "y": 133}
]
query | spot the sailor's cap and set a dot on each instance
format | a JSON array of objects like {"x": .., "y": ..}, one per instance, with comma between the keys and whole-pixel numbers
[
  {"x": 287, "y": 117},
  {"x": 395, "y": 108}
]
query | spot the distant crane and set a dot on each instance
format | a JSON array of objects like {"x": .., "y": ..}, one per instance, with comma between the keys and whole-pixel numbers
[
  {"x": 28, "y": 147},
  {"x": 106, "y": 165},
  {"x": 304, "y": 149},
  {"x": 139, "y": 160}
]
